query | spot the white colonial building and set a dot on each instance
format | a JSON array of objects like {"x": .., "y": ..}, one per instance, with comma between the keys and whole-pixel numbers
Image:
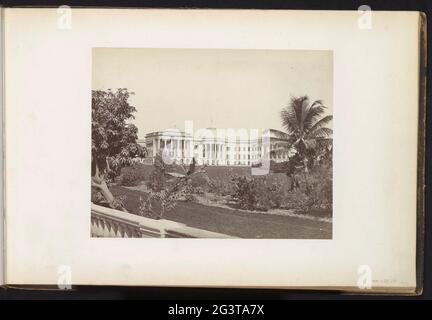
[{"x": 218, "y": 147}]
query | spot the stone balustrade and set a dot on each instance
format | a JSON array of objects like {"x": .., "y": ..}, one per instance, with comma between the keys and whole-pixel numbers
[{"x": 107, "y": 222}]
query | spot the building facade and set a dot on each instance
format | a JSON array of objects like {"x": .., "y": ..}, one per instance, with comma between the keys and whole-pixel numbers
[{"x": 218, "y": 147}]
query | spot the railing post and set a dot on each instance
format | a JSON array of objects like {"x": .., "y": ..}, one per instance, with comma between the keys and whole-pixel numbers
[{"x": 163, "y": 233}]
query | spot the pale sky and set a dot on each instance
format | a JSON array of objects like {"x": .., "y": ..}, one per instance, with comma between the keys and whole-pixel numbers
[{"x": 213, "y": 87}]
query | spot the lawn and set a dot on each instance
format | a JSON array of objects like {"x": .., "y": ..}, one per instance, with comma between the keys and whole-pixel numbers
[{"x": 235, "y": 222}]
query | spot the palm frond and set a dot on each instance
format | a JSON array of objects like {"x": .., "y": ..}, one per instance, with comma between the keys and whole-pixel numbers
[
  {"x": 289, "y": 119},
  {"x": 281, "y": 149},
  {"x": 325, "y": 146},
  {"x": 294, "y": 113},
  {"x": 283, "y": 135},
  {"x": 320, "y": 133},
  {"x": 300, "y": 105},
  {"x": 314, "y": 112},
  {"x": 320, "y": 124},
  {"x": 311, "y": 144},
  {"x": 317, "y": 102},
  {"x": 326, "y": 143},
  {"x": 303, "y": 110}
]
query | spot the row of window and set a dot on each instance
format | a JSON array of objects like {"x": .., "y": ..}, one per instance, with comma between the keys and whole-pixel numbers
[
  {"x": 215, "y": 148},
  {"x": 237, "y": 156},
  {"x": 228, "y": 163},
  {"x": 177, "y": 153}
]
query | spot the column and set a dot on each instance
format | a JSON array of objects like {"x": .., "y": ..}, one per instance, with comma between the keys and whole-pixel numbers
[{"x": 172, "y": 148}]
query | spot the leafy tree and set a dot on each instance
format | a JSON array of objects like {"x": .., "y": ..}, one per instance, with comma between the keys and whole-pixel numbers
[{"x": 114, "y": 139}]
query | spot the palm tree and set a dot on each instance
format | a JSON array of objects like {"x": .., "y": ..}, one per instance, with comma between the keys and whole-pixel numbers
[{"x": 307, "y": 130}]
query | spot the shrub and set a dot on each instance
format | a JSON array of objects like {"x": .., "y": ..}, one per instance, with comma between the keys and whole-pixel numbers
[
  {"x": 98, "y": 198},
  {"x": 304, "y": 191},
  {"x": 157, "y": 179},
  {"x": 257, "y": 193},
  {"x": 132, "y": 176},
  {"x": 319, "y": 188},
  {"x": 155, "y": 204},
  {"x": 223, "y": 188},
  {"x": 201, "y": 182},
  {"x": 313, "y": 191},
  {"x": 246, "y": 193},
  {"x": 189, "y": 193}
]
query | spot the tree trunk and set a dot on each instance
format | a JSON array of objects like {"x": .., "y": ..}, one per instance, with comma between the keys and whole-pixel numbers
[
  {"x": 106, "y": 193},
  {"x": 100, "y": 184}
]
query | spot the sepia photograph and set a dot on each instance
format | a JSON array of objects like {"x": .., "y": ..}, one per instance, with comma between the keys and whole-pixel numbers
[
  {"x": 212, "y": 143},
  {"x": 214, "y": 151}
]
